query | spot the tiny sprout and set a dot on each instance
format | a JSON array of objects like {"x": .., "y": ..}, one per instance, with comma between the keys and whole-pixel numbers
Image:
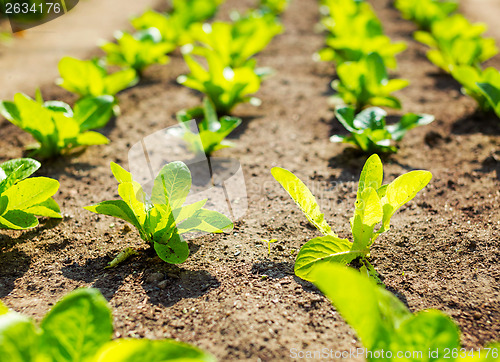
[{"x": 269, "y": 242}]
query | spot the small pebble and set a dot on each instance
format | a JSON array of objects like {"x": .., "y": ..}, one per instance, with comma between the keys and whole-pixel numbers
[{"x": 155, "y": 278}]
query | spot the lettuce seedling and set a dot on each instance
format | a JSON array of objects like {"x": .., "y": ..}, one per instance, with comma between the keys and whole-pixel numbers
[
  {"x": 469, "y": 77},
  {"x": 366, "y": 82},
  {"x": 55, "y": 126},
  {"x": 161, "y": 218},
  {"x": 369, "y": 131},
  {"x": 79, "y": 327},
  {"x": 138, "y": 51},
  {"x": 425, "y": 12},
  {"x": 354, "y": 32},
  {"x": 224, "y": 86},
  {"x": 382, "y": 321},
  {"x": 348, "y": 49},
  {"x": 454, "y": 41},
  {"x": 23, "y": 198},
  {"x": 90, "y": 78},
  {"x": 235, "y": 43},
  {"x": 174, "y": 27},
  {"x": 385, "y": 326},
  {"x": 344, "y": 18},
  {"x": 375, "y": 204},
  {"x": 212, "y": 130},
  {"x": 492, "y": 93}
]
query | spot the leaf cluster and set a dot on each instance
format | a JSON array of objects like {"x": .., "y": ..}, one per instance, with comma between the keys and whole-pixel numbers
[
  {"x": 139, "y": 50},
  {"x": 174, "y": 26},
  {"x": 480, "y": 85},
  {"x": 161, "y": 218},
  {"x": 369, "y": 131},
  {"x": 236, "y": 42},
  {"x": 382, "y": 321},
  {"x": 23, "y": 198},
  {"x": 454, "y": 41},
  {"x": 425, "y": 12},
  {"x": 90, "y": 78},
  {"x": 212, "y": 130},
  {"x": 79, "y": 328},
  {"x": 354, "y": 32},
  {"x": 375, "y": 205},
  {"x": 224, "y": 85},
  {"x": 366, "y": 82},
  {"x": 56, "y": 127}
]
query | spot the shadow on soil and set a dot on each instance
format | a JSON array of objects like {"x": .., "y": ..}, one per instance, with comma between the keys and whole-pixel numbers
[
  {"x": 478, "y": 122},
  {"x": 165, "y": 284},
  {"x": 13, "y": 262}
]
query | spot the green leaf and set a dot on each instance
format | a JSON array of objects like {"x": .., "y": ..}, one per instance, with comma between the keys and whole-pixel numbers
[
  {"x": 371, "y": 175},
  {"x": 30, "y": 192},
  {"x": 93, "y": 112},
  {"x": 77, "y": 326},
  {"x": 116, "y": 208},
  {"x": 16, "y": 170},
  {"x": 427, "y": 331},
  {"x": 48, "y": 208},
  {"x": 325, "y": 249},
  {"x": 206, "y": 221},
  {"x": 175, "y": 251},
  {"x": 18, "y": 338},
  {"x": 139, "y": 350},
  {"x": 17, "y": 220},
  {"x": 492, "y": 94},
  {"x": 367, "y": 214},
  {"x": 400, "y": 191},
  {"x": 119, "y": 81},
  {"x": 120, "y": 173},
  {"x": 91, "y": 138},
  {"x": 172, "y": 185},
  {"x": 303, "y": 198},
  {"x": 187, "y": 211},
  {"x": 376, "y": 318}
]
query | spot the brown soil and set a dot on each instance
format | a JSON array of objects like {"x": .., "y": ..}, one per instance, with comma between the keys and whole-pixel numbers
[{"x": 230, "y": 297}]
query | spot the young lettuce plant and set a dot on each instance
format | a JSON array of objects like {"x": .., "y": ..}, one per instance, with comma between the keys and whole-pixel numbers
[
  {"x": 369, "y": 131},
  {"x": 366, "y": 82},
  {"x": 235, "y": 43},
  {"x": 375, "y": 204},
  {"x": 425, "y": 12},
  {"x": 89, "y": 78},
  {"x": 469, "y": 77},
  {"x": 56, "y": 127},
  {"x": 212, "y": 130},
  {"x": 224, "y": 86},
  {"x": 349, "y": 49},
  {"x": 454, "y": 41},
  {"x": 161, "y": 218},
  {"x": 23, "y": 198},
  {"x": 355, "y": 32},
  {"x": 139, "y": 50},
  {"x": 385, "y": 326},
  {"x": 79, "y": 327},
  {"x": 174, "y": 27}
]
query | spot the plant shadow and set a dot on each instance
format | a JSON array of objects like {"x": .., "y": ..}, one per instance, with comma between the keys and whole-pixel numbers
[
  {"x": 477, "y": 122},
  {"x": 13, "y": 265},
  {"x": 490, "y": 164},
  {"x": 164, "y": 283}
]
